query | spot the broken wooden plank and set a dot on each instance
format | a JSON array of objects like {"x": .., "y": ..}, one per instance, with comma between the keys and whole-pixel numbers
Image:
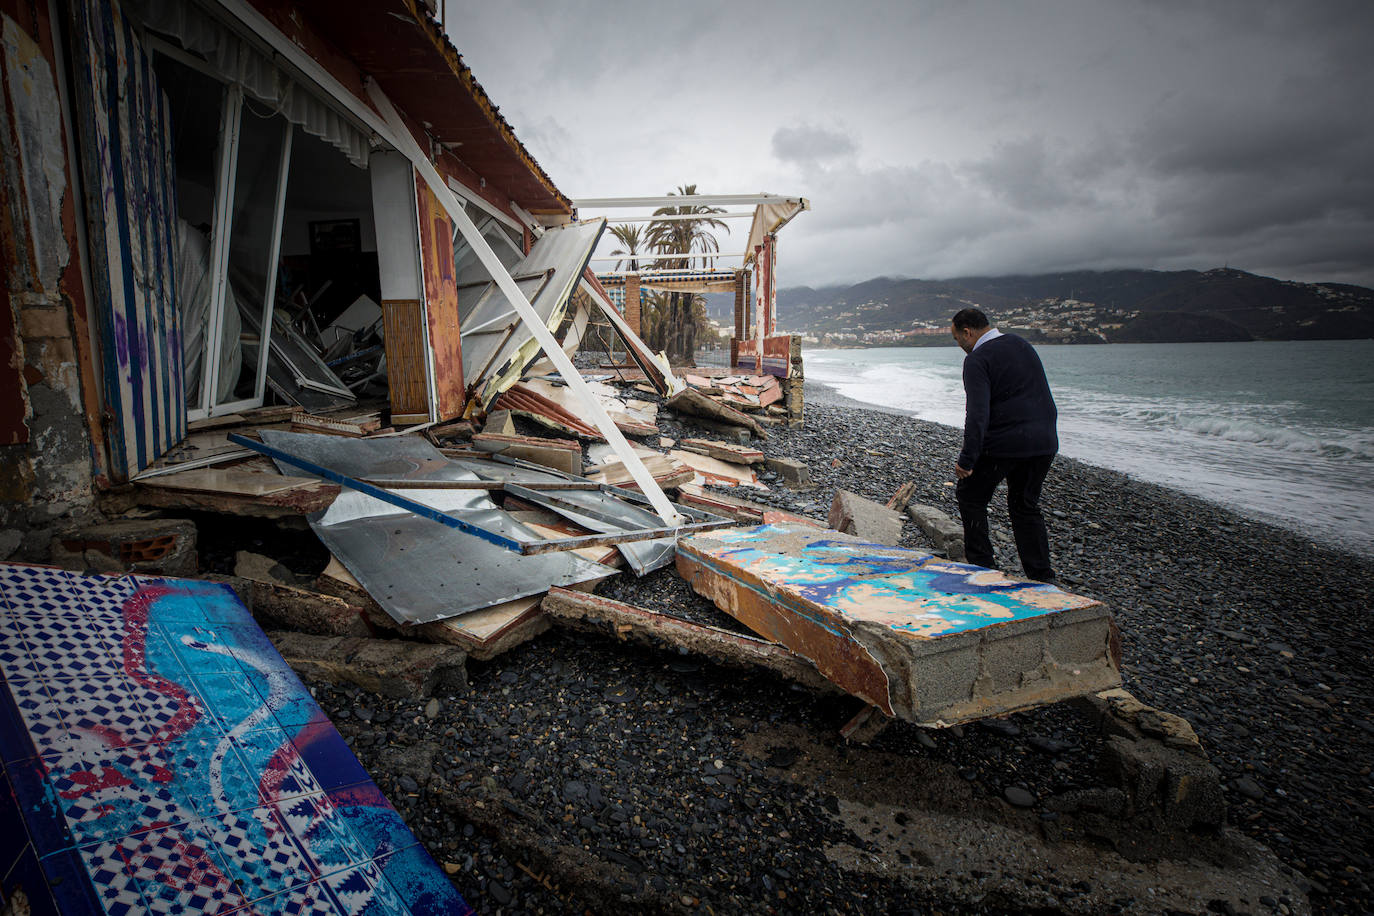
[
  {"x": 405, "y": 484},
  {"x": 740, "y": 510},
  {"x": 902, "y": 496},
  {"x": 666, "y": 472},
  {"x": 592, "y": 613},
  {"x": 229, "y": 481},
  {"x": 694, "y": 403},
  {"x": 482, "y": 634},
  {"x": 723, "y": 451},
  {"x": 253, "y": 417},
  {"x": 632, "y": 421},
  {"x": 307, "y": 498},
  {"x": 487, "y": 633},
  {"x": 354, "y": 427},
  {"x": 921, "y": 638},
  {"x": 457, "y": 429},
  {"x": 720, "y": 473},
  {"x": 560, "y": 454}
]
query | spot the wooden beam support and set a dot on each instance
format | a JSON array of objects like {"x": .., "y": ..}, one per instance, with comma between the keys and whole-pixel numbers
[{"x": 592, "y": 613}]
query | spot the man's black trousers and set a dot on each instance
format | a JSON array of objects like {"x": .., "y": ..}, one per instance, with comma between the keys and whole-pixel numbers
[{"x": 1024, "y": 477}]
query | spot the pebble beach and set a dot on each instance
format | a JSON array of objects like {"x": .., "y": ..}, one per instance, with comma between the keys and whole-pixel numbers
[{"x": 576, "y": 774}]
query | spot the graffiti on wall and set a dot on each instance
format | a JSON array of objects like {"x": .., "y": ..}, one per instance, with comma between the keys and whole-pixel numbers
[{"x": 162, "y": 757}]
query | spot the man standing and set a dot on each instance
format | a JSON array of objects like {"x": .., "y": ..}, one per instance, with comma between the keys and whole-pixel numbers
[{"x": 1009, "y": 433}]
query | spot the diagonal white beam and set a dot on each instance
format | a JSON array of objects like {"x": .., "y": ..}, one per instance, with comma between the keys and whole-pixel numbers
[
  {"x": 406, "y": 144},
  {"x": 690, "y": 200}
]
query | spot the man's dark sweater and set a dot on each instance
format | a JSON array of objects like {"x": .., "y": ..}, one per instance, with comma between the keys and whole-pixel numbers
[{"x": 1009, "y": 412}]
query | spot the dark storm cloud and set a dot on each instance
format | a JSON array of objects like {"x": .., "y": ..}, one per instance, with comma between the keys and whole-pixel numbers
[
  {"x": 810, "y": 144},
  {"x": 941, "y": 138}
]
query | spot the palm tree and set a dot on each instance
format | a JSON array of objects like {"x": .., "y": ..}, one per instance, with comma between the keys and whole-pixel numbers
[
  {"x": 631, "y": 240},
  {"x": 683, "y": 236}
]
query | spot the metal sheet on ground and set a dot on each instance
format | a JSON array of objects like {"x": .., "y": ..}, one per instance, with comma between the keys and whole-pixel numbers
[
  {"x": 417, "y": 570},
  {"x": 603, "y": 513}
]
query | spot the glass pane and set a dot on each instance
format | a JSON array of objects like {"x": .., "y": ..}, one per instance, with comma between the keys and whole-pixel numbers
[
  {"x": 196, "y": 102},
  {"x": 468, "y": 268},
  {"x": 262, "y": 134}
]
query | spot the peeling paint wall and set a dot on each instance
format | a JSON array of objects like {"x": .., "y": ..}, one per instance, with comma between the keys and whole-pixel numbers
[{"x": 45, "y": 445}]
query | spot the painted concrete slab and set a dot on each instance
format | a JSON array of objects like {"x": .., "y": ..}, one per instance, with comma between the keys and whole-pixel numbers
[
  {"x": 920, "y": 637},
  {"x": 160, "y": 757}
]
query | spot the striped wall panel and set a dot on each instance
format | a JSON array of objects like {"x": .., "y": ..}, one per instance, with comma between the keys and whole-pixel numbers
[{"x": 126, "y": 160}]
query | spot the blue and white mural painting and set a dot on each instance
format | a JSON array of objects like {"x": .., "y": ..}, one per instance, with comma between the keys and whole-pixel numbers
[{"x": 160, "y": 757}]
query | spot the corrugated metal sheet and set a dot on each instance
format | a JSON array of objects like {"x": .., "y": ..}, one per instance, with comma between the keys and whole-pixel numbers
[{"x": 130, "y": 196}]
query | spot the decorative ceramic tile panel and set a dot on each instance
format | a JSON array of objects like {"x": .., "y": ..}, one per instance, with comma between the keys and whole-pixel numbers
[{"x": 160, "y": 757}]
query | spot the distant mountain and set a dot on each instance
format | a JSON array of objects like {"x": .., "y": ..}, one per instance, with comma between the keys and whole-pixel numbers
[{"x": 1119, "y": 306}]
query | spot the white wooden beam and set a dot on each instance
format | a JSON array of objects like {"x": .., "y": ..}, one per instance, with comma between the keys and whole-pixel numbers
[
  {"x": 678, "y": 217},
  {"x": 692, "y": 256},
  {"x": 691, "y": 200}
]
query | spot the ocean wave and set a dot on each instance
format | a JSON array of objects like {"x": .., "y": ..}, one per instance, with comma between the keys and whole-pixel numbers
[
  {"x": 932, "y": 395},
  {"x": 1262, "y": 426}
]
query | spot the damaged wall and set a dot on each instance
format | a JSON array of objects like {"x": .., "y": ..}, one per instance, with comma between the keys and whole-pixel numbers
[{"x": 46, "y": 373}]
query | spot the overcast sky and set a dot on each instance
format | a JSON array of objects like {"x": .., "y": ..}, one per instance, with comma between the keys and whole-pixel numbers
[{"x": 938, "y": 139}]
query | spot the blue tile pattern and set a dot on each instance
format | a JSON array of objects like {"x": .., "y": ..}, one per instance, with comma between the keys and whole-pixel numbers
[{"x": 160, "y": 757}]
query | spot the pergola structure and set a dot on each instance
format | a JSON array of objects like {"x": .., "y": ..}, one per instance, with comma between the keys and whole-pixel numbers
[{"x": 754, "y": 345}]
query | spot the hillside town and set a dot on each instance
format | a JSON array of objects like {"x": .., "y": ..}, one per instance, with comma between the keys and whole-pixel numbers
[{"x": 1050, "y": 320}]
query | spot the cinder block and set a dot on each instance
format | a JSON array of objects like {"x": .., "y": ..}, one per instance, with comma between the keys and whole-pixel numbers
[
  {"x": 560, "y": 454},
  {"x": 947, "y": 534},
  {"x": 793, "y": 473},
  {"x": 864, "y": 518}
]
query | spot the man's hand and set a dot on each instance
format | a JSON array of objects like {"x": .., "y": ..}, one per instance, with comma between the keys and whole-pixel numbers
[{"x": 961, "y": 472}]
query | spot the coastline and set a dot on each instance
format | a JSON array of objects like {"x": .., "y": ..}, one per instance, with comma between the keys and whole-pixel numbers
[{"x": 823, "y": 395}]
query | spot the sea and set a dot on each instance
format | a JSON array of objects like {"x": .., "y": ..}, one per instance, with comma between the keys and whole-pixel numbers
[{"x": 1281, "y": 431}]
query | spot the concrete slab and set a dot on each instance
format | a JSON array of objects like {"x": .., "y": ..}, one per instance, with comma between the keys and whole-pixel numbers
[{"x": 923, "y": 639}]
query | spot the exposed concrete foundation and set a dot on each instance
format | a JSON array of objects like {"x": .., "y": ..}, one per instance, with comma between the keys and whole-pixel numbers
[
  {"x": 392, "y": 668},
  {"x": 166, "y": 546}
]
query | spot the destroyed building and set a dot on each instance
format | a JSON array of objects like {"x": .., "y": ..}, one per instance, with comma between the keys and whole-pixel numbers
[{"x": 288, "y": 261}]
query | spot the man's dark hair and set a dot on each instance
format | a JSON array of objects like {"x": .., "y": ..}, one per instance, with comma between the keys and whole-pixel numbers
[{"x": 969, "y": 318}]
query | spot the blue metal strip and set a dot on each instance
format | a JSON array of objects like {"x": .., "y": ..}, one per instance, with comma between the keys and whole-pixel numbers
[{"x": 375, "y": 492}]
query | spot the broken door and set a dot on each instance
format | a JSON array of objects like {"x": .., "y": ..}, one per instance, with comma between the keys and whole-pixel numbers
[
  {"x": 441, "y": 304},
  {"x": 129, "y": 178},
  {"x": 496, "y": 347}
]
